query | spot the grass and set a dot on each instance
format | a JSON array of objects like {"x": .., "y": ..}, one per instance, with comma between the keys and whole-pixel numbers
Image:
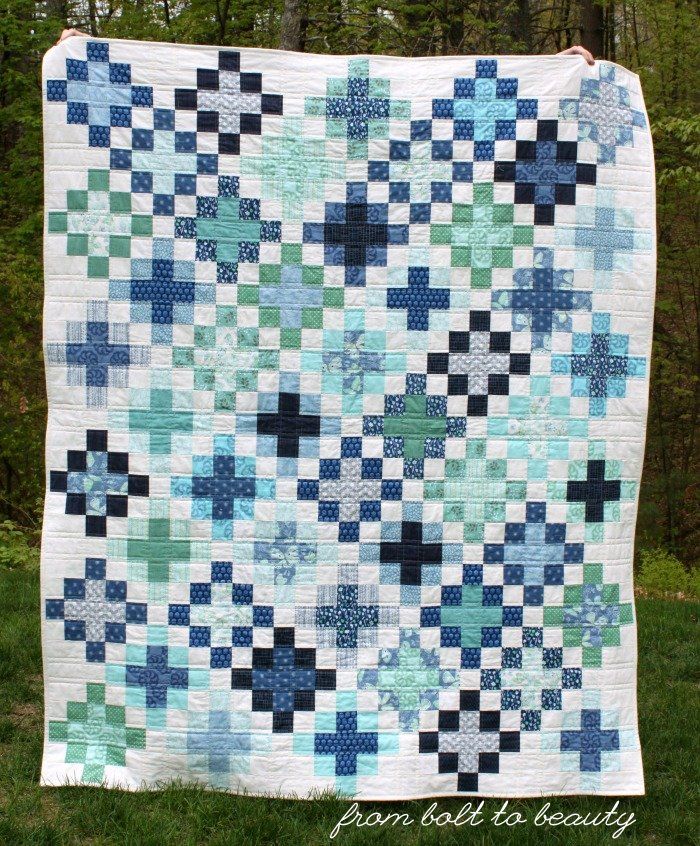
[{"x": 668, "y": 696}]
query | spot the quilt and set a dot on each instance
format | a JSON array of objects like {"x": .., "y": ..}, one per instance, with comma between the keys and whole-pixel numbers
[{"x": 347, "y": 363}]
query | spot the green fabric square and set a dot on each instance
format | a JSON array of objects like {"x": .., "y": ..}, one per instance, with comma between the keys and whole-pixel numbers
[
  {"x": 591, "y": 656},
  {"x": 502, "y": 257},
  {"x": 480, "y": 276},
  {"x": 502, "y": 214},
  {"x": 58, "y": 222},
  {"x": 377, "y": 128},
  {"x": 611, "y": 594},
  {"x": 270, "y": 274},
  {"x": 119, "y": 246},
  {"x": 77, "y": 712},
  {"x": 523, "y": 236},
  {"x": 312, "y": 275},
  {"x": 572, "y": 637},
  {"x": 291, "y": 253},
  {"x": 626, "y": 614},
  {"x": 335, "y": 88},
  {"x": 135, "y": 738},
  {"x": 453, "y": 512},
  {"x": 462, "y": 214},
  {"x": 315, "y": 106},
  {"x": 205, "y": 337},
  {"x": 98, "y": 180},
  {"x": 246, "y": 380},
  {"x": 611, "y": 636},
  {"x": 462, "y": 257},
  {"x": 226, "y": 315},
  {"x": 440, "y": 233},
  {"x": 76, "y": 200},
  {"x": 58, "y": 731},
  {"x": 593, "y": 573},
  {"x": 268, "y": 317},
  {"x": 76, "y": 754},
  {"x": 312, "y": 318},
  {"x": 573, "y": 594},
  {"x": 473, "y": 532},
  {"x": 141, "y": 224},
  {"x": 204, "y": 379},
  {"x": 93, "y": 773},
  {"x": 77, "y": 245},
  {"x": 98, "y": 267},
  {"x": 400, "y": 110},
  {"x": 553, "y": 616},
  {"x": 495, "y": 512},
  {"x": 290, "y": 339},
  {"x": 183, "y": 357},
  {"x": 248, "y": 295},
  {"x": 379, "y": 88},
  {"x": 333, "y": 297},
  {"x": 120, "y": 202},
  {"x": 114, "y": 714},
  {"x": 225, "y": 401},
  {"x": 483, "y": 194},
  {"x": 115, "y": 756}
]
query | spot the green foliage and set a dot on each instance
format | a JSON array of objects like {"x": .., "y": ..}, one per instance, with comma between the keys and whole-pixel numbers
[
  {"x": 19, "y": 548},
  {"x": 655, "y": 38},
  {"x": 661, "y": 573}
]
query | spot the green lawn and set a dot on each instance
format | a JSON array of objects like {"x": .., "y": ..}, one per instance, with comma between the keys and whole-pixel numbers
[{"x": 668, "y": 694}]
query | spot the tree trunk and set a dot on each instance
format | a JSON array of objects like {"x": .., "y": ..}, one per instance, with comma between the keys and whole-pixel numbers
[
  {"x": 610, "y": 46},
  {"x": 290, "y": 26},
  {"x": 92, "y": 15},
  {"x": 222, "y": 11},
  {"x": 453, "y": 29},
  {"x": 521, "y": 24},
  {"x": 593, "y": 27}
]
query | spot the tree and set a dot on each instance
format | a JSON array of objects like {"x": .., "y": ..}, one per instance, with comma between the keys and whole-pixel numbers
[
  {"x": 593, "y": 26},
  {"x": 291, "y": 26}
]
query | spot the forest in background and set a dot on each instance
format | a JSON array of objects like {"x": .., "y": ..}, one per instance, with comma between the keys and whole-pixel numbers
[{"x": 658, "y": 39}]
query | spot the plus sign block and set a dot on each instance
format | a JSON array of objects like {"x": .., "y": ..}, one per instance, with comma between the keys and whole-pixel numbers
[
  {"x": 95, "y": 734},
  {"x": 347, "y": 364},
  {"x": 100, "y": 223},
  {"x": 95, "y": 609},
  {"x": 227, "y": 229},
  {"x": 482, "y": 235},
  {"x": 546, "y": 172},
  {"x": 228, "y": 102},
  {"x": 604, "y": 113},
  {"x": 97, "y": 483},
  {"x": 97, "y": 354},
  {"x": 357, "y": 108},
  {"x": 98, "y": 93},
  {"x": 485, "y": 108},
  {"x": 599, "y": 364},
  {"x": 350, "y": 489},
  {"x": 542, "y": 300}
]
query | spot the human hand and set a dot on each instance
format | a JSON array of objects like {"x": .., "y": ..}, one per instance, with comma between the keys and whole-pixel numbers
[
  {"x": 68, "y": 33},
  {"x": 577, "y": 50}
]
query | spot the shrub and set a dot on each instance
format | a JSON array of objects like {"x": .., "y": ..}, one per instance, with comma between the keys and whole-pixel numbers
[
  {"x": 18, "y": 547},
  {"x": 660, "y": 572}
]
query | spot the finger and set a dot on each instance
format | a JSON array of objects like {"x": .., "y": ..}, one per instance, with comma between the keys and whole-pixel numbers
[
  {"x": 69, "y": 33},
  {"x": 577, "y": 50},
  {"x": 587, "y": 55}
]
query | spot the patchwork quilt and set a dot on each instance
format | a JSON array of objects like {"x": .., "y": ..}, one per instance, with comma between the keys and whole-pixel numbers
[{"x": 347, "y": 363}]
